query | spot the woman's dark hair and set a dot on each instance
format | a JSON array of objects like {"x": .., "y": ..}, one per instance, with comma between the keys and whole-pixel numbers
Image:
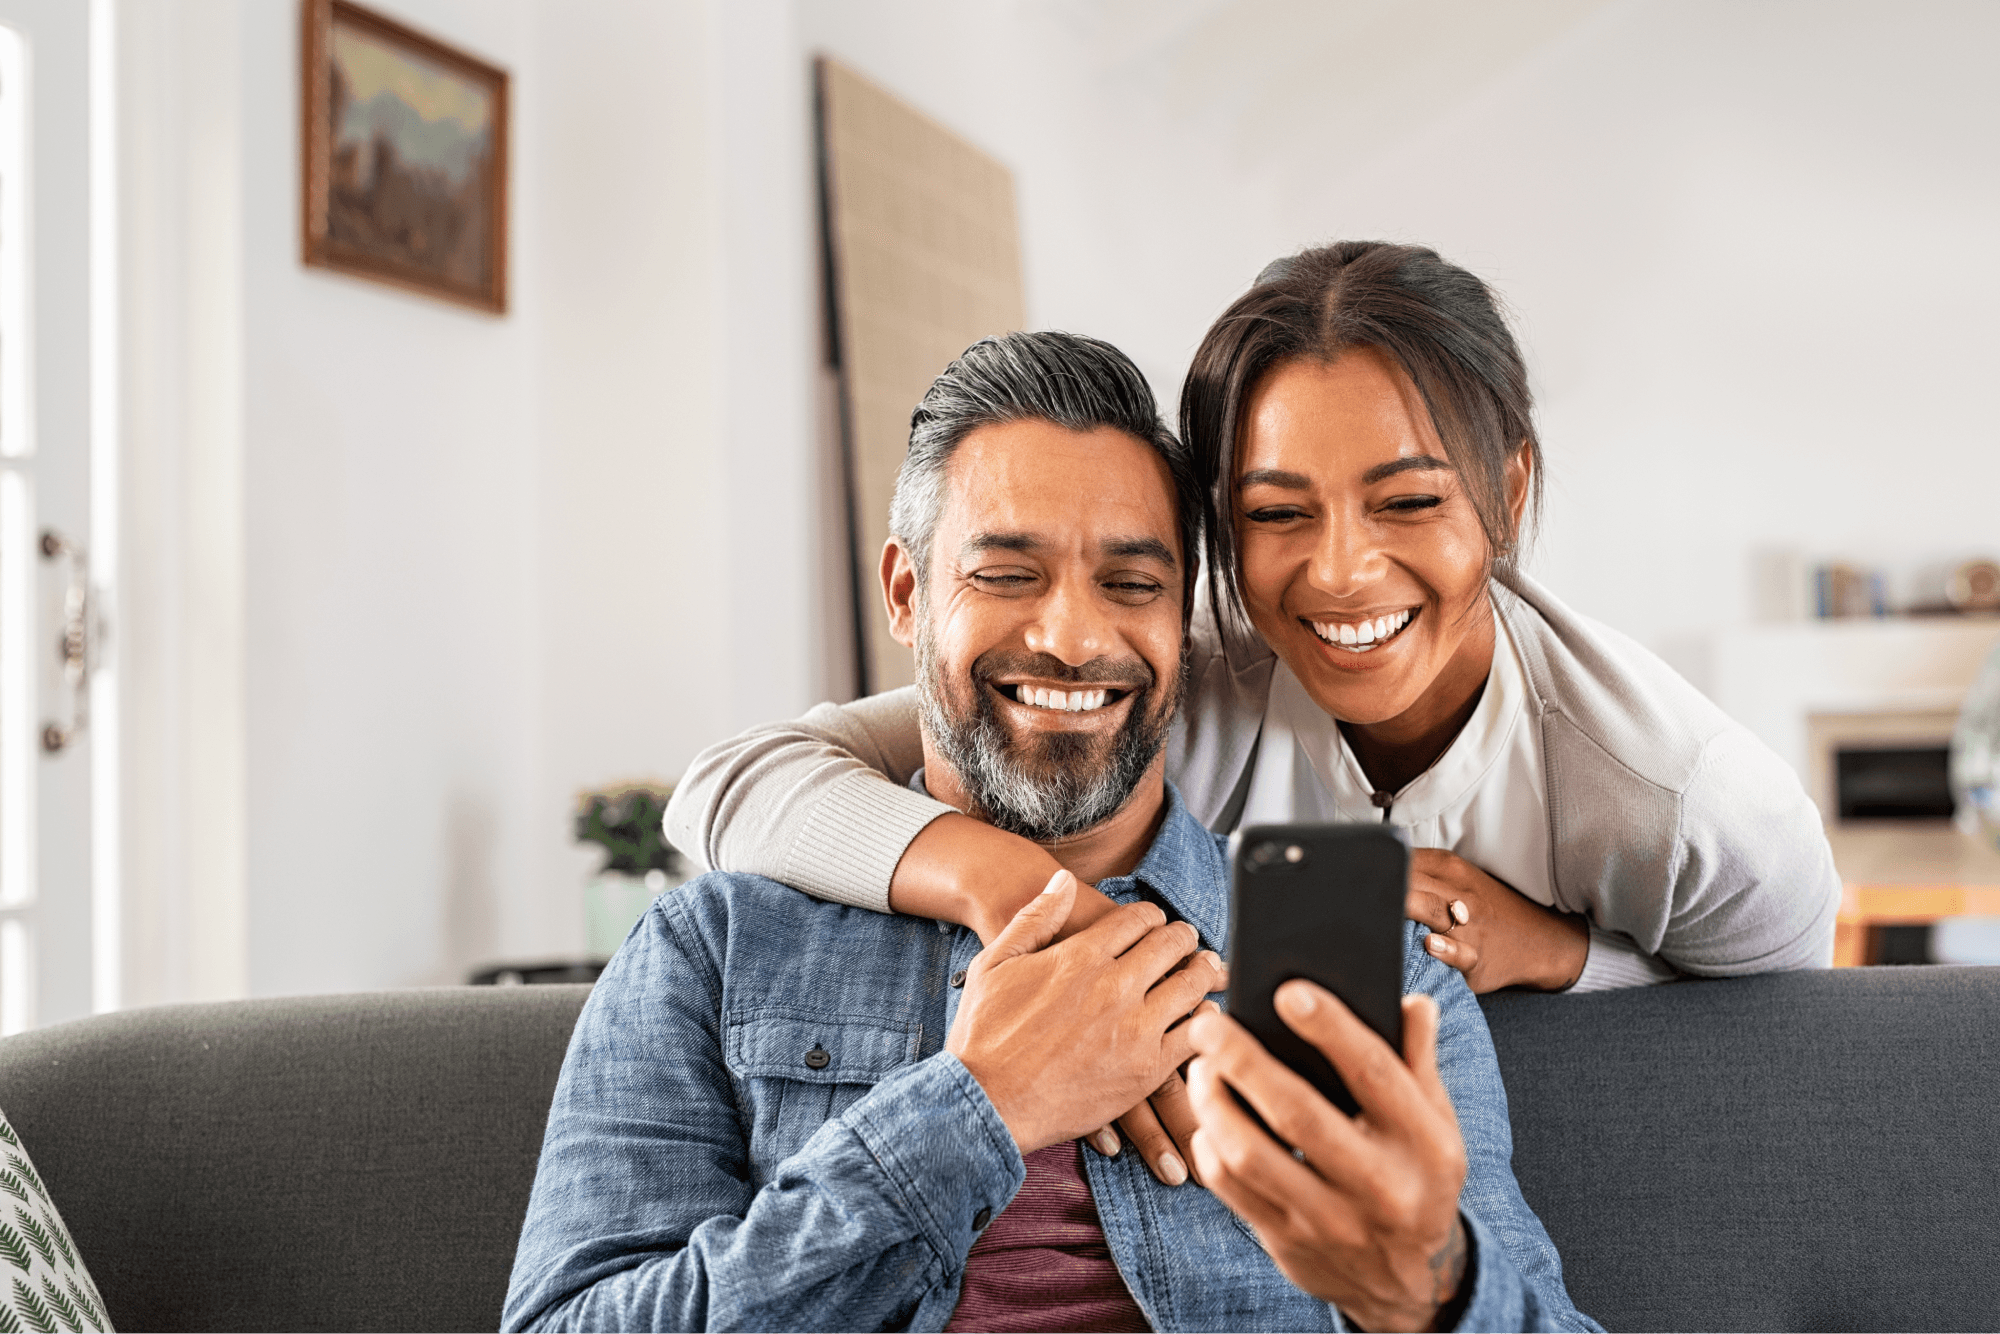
[{"x": 1438, "y": 322}]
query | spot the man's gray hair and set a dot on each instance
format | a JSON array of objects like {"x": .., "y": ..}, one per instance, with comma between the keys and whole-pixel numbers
[{"x": 1066, "y": 379}]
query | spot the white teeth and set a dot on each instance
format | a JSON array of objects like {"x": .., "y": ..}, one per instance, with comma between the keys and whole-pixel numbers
[
  {"x": 1063, "y": 701},
  {"x": 1361, "y": 636}
]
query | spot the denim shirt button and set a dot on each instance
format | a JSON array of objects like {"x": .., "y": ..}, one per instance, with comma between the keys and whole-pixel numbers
[
  {"x": 958, "y": 978},
  {"x": 817, "y": 1059},
  {"x": 981, "y": 1219}
]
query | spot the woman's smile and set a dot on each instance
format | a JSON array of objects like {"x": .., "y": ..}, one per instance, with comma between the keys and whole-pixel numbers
[{"x": 1364, "y": 635}]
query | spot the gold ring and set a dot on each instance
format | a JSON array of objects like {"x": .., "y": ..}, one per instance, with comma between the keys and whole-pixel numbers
[{"x": 1460, "y": 914}]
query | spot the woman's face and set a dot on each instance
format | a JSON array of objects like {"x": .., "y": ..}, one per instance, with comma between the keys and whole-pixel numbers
[{"x": 1364, "y": 562}]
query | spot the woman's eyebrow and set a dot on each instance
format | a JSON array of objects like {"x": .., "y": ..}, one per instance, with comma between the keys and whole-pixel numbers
[
  {"x": 1415, "y": 463},
  {"x": 1289, "y": 481}
]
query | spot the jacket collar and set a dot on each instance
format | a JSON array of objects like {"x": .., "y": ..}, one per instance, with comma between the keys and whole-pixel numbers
[{"x": 1186, "y": 869}]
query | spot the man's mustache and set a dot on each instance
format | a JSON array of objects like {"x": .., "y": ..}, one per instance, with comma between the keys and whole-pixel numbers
[{"x": 1129, "y": 674}]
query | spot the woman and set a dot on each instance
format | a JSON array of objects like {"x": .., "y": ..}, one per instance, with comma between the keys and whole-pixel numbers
[{"x": 1583, "y": 818}]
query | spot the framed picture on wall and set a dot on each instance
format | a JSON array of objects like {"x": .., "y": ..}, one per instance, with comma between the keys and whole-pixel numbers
[{"x": 405, "y": 157}]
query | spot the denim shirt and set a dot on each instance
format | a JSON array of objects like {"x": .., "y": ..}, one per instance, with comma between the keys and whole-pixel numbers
[{"x": 757, "y": 1127}]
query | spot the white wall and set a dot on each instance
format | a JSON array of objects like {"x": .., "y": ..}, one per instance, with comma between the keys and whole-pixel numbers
[
  {"x": 403, "y": 578},
  {"x": 1749, "y": 246},
  {"x": 390, "y": 542},
  {"x": 675, "y": 348}
]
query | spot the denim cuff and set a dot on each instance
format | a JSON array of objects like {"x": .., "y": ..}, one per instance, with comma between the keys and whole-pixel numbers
[
  {"x": 1501, "y": 1299},
  {"x": 947, "y": 1154}
]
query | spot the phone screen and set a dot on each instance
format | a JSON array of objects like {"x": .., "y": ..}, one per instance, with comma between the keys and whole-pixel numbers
[{"x": 1323, "y": 902}]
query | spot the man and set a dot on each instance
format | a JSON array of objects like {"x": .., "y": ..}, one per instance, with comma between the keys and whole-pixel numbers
[{"x": 783, "y": 1113}]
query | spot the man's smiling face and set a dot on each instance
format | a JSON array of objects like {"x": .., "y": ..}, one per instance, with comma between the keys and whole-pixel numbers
[{"x": 1049, "y": 633}]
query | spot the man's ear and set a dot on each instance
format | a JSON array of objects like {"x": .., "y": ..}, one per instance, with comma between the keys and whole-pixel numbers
[{"x": 899, "y": 593}]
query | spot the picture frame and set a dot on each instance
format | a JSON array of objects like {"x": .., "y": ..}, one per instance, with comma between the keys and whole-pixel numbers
[{"x": 404, "y": 156}]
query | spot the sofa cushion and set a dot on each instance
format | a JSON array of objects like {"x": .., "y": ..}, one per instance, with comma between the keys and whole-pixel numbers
[
  {"x": 50, "y": 1287},
  {"x": 324, "y": 1162},
  {"x": 1793, "y": 1151}
]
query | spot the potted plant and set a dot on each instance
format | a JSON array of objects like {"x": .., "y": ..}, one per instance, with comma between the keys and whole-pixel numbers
[{"x": 625, "y": 821}]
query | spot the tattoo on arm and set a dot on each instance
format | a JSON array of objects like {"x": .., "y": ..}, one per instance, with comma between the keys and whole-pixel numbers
[{"x": 1448, "y": 1265}]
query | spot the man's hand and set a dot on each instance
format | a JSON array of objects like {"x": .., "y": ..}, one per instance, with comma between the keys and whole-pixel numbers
[
  {"x": 1506, "y": 939},
  {"x": 1064, "y": 1037},
  {"x": 1367, "y": 1216}
]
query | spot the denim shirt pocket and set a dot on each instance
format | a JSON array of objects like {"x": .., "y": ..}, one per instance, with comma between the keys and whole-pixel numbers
[{"x": 796, "y": 1068}]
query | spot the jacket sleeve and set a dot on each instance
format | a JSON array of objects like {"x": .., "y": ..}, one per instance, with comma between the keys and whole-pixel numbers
[
  {"x": 819, "y": 803},
  {"x": 1755, "y": 888},
  {"x": 1614, "y": 961},
  {"x": 1516, "y": 1275},
  {"x": 644, "y": 1216}
]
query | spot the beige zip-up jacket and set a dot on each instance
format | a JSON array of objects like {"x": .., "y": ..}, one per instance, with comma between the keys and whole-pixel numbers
[{"x": 1669, "y": 823}]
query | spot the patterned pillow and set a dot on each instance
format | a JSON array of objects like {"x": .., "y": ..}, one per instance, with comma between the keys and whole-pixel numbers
[{"x": 51, "y": 1290}]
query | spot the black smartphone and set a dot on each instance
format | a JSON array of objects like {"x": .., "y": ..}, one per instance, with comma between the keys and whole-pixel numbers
[{"x": 1323, "y": 902}]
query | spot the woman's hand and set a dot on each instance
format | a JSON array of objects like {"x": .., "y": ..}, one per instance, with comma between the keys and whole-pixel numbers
[
  {"x": 1160, "y": 1128},
  {"x": 1490, "y": 931}
]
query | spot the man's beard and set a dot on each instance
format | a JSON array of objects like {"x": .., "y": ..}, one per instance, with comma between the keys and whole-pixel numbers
[{"x": 1047, "y": 786}]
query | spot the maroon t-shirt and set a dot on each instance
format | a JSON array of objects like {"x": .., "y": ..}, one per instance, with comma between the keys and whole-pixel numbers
[{"x": 1042, "y": 1263}]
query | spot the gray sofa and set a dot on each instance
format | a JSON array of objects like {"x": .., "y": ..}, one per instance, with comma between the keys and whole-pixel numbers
[{"x": 1811, "y": 1151}]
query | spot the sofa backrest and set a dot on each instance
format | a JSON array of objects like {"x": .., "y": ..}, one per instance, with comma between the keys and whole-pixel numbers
[
  {"x": 326, "y": 1162},
  {"x": 1795, "y": 1151},
  {"x": 1806, "y": 1151}
]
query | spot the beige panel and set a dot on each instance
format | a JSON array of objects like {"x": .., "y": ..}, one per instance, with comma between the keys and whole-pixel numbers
[{"x": 926, "y": 260}]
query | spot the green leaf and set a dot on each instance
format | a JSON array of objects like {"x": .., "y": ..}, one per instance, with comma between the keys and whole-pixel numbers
[
  {"x": 37, "y": 1235},
  {"x": 13, "y": 1249},
  {"x": 90, "y": 1307},
  {"x": 63, "y": 1305},
  {"x": 27, "y": 1170},
  {"x": 39, "y": 1317},
  {"x": 625, "y": 822},
  {"x": 13, "y": 1185},
  {"x": 7, "y": 1134},
  {"x": 9, "y": 1322},
  {"x": 61, "y": 1240}
]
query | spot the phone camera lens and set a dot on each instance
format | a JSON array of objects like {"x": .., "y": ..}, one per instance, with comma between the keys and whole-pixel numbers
[{"x": 1267, "y": 855}]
